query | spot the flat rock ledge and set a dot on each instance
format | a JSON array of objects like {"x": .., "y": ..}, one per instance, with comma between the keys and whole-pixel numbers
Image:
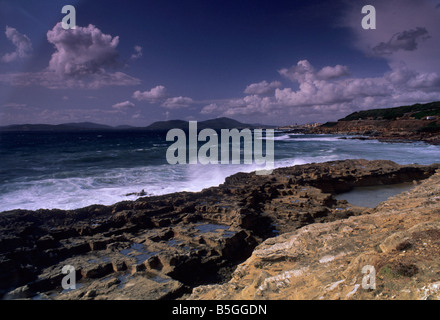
[
  {"x": 400, "y": 239},
  {"x": 280, "y": 236}
]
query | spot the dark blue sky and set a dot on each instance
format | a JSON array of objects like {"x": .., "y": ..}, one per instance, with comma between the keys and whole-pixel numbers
[{"x": 277, "y": 62}]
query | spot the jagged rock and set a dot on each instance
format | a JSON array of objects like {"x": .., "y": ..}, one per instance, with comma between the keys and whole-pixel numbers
[
  {"x": 141, "y": 286},
  {"x": 19, "y": 293},
  {"x": 97, "y": 271},
  {"x": 191, "y": 239},
  {"x": 400, "y": 239}
]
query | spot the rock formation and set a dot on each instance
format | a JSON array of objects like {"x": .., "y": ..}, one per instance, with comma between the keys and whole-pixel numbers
[
  {"x": 401, "y": 130},
  {"x": 171, "y": 246},
  {"x": 400, "y": 239}
]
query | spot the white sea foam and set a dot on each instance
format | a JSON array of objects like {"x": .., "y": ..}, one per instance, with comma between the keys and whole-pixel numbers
[
  {"x": 113, "y": 186},
  {"x": 280, "y": 138},
  {"x": 326, "y": 139},
  {"x": 94, "y": 184}
]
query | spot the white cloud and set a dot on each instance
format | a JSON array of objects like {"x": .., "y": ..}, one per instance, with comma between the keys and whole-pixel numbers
[
  {"x": 154, "y": 95},
  {"x": 137, "y": 53},
  {"x": 326, "y": 93},
  {"x": 211, "y": 108},
  {"x": 303, "y": 71},
  {"x": 123, "y": 106},
  {"x": 177, "y": 102},
  {"x": 81, "y": 59},
  {"x": 397, "y": 86},
  {"x": 262, "y": 88},
  {"x": 252, "y": 104},
  {"x": 23, "y": 45},
  {"x": 81, "y": 51},
  {"x": 327, "y": 73}
]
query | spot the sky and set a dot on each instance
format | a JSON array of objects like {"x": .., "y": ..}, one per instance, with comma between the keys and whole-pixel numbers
[{"x": 272, "y": 62}]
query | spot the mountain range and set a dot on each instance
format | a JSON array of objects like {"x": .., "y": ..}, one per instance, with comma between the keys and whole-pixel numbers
[{"x": 216, "y": 124}]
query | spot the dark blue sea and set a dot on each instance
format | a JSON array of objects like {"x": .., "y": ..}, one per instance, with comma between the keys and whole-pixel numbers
[{"x": 76, "y": 169}]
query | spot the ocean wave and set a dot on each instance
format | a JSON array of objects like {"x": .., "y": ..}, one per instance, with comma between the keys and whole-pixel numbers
[
  {"x": 326, "y": 139},
  {"x": 283, "y": 137},
  {"x": 67, "y": 181},
  {"x": 111, "y": 186}
]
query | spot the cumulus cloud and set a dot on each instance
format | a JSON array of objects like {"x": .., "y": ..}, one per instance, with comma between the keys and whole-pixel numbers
[
  {"x": 403, "y": 77},
  {"x": 82, "y": 59},
  {"x": 248, "y": 105},
  {"x": 399, "y": 85},
  {"x": 262, "y": 88},
  {"x": 177, "y": 102},
  {"x": 137, "y": 53},
  {"x": 326, "y": 93},
  {"x": 210, "y": 108},
  {"x": 406, "y": 40},
  {"x": 153, "y": 95},
  {"x": 303, "y": 71},
  {"x": 81, "y": 51},
  {"x": 23, "y": 45},
  {"x": 123, "y": 106},
  {"x": 332, "y": 72}
]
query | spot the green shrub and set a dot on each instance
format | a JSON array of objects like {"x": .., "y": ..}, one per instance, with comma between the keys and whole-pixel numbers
[{"x": 418, "y": 111}]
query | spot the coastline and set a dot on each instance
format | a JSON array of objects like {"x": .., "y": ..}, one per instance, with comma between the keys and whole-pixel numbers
[
  {"x": 402, "y": 130},
  {"x": 176, "y": 242}
]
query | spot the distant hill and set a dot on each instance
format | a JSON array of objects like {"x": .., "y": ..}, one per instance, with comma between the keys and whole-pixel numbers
[
  {"x": 417, "y": 111},
  {"x": 216, "y": 124},
  {"x": 167, "y": 125},
  {"x": 65, "y": 127},
  {"x": 222, "y": 123},
  {"x": 87, "y": 125},
  {"x": 124, "y": 127}
]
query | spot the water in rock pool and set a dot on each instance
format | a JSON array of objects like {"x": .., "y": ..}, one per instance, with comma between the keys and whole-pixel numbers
[{"x": 371, "y": 196}]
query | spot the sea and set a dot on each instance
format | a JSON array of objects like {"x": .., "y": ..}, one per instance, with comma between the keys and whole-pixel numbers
[{"x": 69, "y": 170}]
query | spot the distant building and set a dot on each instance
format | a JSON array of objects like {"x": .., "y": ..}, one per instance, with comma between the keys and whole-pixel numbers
[{"x": 312, "y": 125}]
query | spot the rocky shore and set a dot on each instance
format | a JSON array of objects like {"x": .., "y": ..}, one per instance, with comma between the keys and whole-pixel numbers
[
  {"x": 286, "y": 232},
  {"x": 418, "y": 122},
  {"x": 399, "y": 241},
  {"x": 402, "y": 130}
]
